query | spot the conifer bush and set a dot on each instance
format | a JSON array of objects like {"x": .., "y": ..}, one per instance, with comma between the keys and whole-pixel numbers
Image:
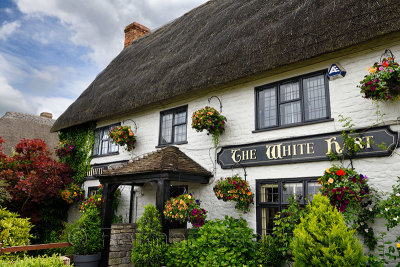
[
  {"x": 323, "y": 239},
  {"x": 149, "y": 245}
]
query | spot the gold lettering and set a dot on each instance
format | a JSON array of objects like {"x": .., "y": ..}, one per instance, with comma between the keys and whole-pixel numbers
[
  {"x": 301, "y": 148},
  {"x": 274, "y": 152},
  {"x": 368, "y": 142},
  {"x": 236, "y": 157},
  {"x": 245, "y": 155},
  {"x": 310, "y": 148},
  {"x": 253, "y": 154},
  {"x": 286, "y": 149},
  {"x": 294, "y": 150},
  {"x": 330, "y": 142},
  {"x": 358, "y": 141}
]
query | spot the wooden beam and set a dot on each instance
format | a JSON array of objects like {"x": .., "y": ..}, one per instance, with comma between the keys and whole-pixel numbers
[{"x": 34, "y": 247}]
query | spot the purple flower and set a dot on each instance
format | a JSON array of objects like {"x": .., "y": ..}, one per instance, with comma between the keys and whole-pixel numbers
[
  {"x": 390, "y": 70},
  {"x": 380, "y": 68}
]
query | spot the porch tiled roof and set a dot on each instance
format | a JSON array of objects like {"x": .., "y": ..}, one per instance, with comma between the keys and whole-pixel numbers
[{"x": 168, "y": 159}]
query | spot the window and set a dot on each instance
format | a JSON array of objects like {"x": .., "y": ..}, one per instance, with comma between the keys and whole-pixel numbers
[
  {"x": 173, "y": 126},
  {"x": 103, "y": 144},
  {"x": 272, "y": 196},
  {"x": 292, "y": 102}
]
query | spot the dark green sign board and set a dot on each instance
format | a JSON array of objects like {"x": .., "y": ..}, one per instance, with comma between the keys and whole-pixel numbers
[{"x": 306, "y": 149}]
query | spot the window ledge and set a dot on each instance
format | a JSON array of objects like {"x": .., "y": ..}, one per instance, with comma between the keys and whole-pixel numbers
[
  {"x": 292, "y": 125},
  {"x": 105, "y": 155},
  {"x": 172, "y": 144}
]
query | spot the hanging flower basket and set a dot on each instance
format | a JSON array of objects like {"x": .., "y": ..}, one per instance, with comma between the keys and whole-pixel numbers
[
  {"x": 344, "y": 187},
  {"x": 65, "y": 148},
  {"x": 383, "y": 81},
  {"x": 235, "y": 189},
  {"x": 185, "y": 208},
  {"x": 123, "y": 135},
  {"x": 72, "y": 193},
  {"x": 211, "y": 120}
]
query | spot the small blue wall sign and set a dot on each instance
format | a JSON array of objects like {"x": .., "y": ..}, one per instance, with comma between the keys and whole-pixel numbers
[{"x": 336, "y": 71}]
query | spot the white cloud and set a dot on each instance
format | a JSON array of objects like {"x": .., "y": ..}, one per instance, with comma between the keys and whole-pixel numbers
[
  {"x": 54, "y": 105},
  {"x": 99, "y": 24},
  {"x": 8, "y": 28},
  {"x": 12, "y": 99}
]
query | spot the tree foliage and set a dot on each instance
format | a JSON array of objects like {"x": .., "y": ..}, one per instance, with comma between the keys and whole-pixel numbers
[{"x": 323, "y": 239}]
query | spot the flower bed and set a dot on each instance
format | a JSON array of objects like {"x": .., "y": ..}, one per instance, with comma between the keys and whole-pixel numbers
[
  {"x": 235, "y": 189},
  {"x": 185, "y": 208},
  {"x": 383, "y": 81},
  {"x": 123, "y": 135}
]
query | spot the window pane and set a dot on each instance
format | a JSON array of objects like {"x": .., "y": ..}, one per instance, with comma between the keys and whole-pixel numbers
[
  {"x": 269, "y": 193},
  {"x": 289, "y": 189},
  {"x": 113, "y": 147},
  {"x": 267, "y": 108},
  {"x": 180, "y": 133},
  {"x": 290, "y": 113},
  {"x": 166, "y": 128},
  {"x": 96, "y": 145},
  {"x": 312, "y": 189},
  {"x": 267, "y": 219},
  {"x": 314, "y": 98},
  {"x": 180, "y": 117},
  {"x": 104, "y": 147},
  {"x": 289, "y": 91}
]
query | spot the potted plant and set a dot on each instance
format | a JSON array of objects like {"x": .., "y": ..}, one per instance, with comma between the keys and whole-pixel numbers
[
  {"x": 383, "y": 81},
  {"x": 65, "y": 148},
  {"x": 185, "y": 208},
  {"x": 209, "y": 119},
  {"x": 85, "y": 235},
  {"x": 235, "y": 189},
  {"x": 123, "y": 136}
]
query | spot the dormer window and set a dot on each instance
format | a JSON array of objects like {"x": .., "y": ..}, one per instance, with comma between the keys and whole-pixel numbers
[{"x": 103, "y": 144}]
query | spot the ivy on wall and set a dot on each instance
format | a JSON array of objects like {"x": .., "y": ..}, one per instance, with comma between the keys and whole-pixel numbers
[{"x": 83, "y": 139}]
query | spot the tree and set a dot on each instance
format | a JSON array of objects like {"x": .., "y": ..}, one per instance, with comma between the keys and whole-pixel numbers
[{"x": 34, "y": 182}]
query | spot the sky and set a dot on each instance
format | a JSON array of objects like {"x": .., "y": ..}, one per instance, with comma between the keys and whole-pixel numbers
[{"x": 51, "y": 50}]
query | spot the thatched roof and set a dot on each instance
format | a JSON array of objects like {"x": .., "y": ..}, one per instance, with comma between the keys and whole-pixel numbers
[
  {"x": 168, "y": 159},
  {"x": 15, "y": 126},
  {"x": 224, "y": 41}
]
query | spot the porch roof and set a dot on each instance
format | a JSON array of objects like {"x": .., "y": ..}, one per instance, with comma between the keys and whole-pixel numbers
[{"x": 168, "y": 163}]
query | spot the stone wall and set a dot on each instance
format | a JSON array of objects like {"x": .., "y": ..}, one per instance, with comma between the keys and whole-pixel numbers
[{"x": 122, "y": 235}]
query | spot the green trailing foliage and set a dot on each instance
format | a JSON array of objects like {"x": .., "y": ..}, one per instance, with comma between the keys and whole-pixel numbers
[
  {"x": 284, "y": 224},
  {"x": 226, "y": 242},
  {"x": 149, "y": 245},
  {"x": 14, "y": 231},
  {"x": 323, "y": 239},
  {"x": 83, "y": 139}
]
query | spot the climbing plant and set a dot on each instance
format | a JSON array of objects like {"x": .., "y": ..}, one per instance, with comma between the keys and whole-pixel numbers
[{"x": 83, "y": 139}]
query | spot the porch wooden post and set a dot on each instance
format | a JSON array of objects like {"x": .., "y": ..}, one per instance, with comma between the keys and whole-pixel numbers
[
  {"x": 106, "y": 220},
  {"x": 162, "y": 196}
]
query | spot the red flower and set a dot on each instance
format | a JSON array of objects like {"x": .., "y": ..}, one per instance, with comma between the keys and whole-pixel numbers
[
  {"x": 385, "y": 64},
  {"x": 340, "y": 172}
]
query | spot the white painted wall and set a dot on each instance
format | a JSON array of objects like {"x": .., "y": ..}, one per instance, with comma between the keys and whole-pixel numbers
[{"x": 238, "y": 107}]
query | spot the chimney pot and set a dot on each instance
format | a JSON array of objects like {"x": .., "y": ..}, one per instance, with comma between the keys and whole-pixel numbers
[
  {"x": 46, "y": 115},
  {"x": 133, "y": 31}
]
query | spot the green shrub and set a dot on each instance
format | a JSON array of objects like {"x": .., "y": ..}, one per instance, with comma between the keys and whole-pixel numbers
[
  {"x": 226, "y": 242},
  {"x": 268, "y": 253},
  {"x": 323, "y": 239},
  {"x": 42, "y": 261},
  {"x": 85, "y": 235},
  {"x": 14, "y": 231},
  {"x": 149, "y": 245}
]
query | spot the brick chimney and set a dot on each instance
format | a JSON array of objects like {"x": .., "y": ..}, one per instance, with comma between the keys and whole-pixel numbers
[
  {"x": 46, "y": 115},
  {"x": 134, "y": 31}
]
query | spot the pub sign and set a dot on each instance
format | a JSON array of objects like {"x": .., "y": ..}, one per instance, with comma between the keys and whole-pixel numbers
[{"x": 307, "y": 148}]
